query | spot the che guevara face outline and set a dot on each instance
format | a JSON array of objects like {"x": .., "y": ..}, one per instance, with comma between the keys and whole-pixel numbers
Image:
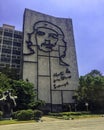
[
  {"x": 46, "y": 39},
  {"x": 47, "y": 35}
]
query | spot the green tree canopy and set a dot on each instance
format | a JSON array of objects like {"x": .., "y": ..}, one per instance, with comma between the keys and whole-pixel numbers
[
  {"x": 91, "y": 90},
  {"x": 25, "y": 93},
  {"x": 22, "y": 89},
  {"x": 4, "y": 82},
  {"x": 11, "y": 73}
]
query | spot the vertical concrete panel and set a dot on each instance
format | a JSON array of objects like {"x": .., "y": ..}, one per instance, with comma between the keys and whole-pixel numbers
[
  {"x": 49, "y": 44},
  {"x": 43, "y": 63},
  {"x": 30, "y": 73},
  {"x": 44, "y": 89},
  {"x": 67, "y": 94},
  {"x": 56, "y": 97}
]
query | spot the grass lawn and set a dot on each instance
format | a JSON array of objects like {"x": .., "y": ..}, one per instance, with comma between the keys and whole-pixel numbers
[
  {"x": 6, "y": 122},
  {"x": 74, "y": 115},
  {"x": 53, "y": 117}
]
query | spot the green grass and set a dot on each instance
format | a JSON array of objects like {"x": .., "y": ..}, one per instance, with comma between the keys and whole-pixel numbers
[
  {"x": 62, "y": 116},
  {"x": 73, "y": 115},
  {"x": 6, "y": 122}
]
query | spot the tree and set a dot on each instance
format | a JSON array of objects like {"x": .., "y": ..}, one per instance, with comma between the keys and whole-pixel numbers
[
  {"x": 95, "y": 73},
  {"x": 91, "y": 90},
  {"x": 25, "y": 93},
  {"x": 4, "y": 82},
  {"x": 11, "y": 73},
  {"x": 23, "y": 90}
]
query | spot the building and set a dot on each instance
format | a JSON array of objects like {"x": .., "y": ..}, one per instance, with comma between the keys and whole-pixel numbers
[
  {"x": 45, "y": 55},
  {"x": 49, "y": 59},
  {"x": 10, "y": 48}
]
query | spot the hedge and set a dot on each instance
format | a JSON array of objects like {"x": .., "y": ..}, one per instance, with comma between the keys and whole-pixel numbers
[{"x": 29, "y": 114}]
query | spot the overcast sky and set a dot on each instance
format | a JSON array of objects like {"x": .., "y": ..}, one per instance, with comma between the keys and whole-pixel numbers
[{"x": 88, "y": 25}]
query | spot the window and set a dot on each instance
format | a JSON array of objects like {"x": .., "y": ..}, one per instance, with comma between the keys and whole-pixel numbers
[
  {"x": 18, "y": 66},
  {"x": 17, "y": 36},
  {"x": 16, "y": 52},
  {"x": 5, "y": 59},
  {"x": 7, "y": 42},
  {"x": 6, "y": 50},
  {"x": 13, "y": 56},
  {"x": 8, "y": 56},
  {"x": 16, "y": 44},
  {"x": 8, "y": 34},
  {"x": 16, "y": 61},
  {"x": 10, "y": 30},
  {"x": 0, "y": 32}
]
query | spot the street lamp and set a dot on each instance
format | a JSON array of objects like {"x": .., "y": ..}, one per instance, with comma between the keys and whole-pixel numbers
[{"x": 86, "y": 104}]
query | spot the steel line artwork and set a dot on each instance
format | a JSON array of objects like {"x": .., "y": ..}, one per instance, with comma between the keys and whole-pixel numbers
[{"x": 48, "y": 37}]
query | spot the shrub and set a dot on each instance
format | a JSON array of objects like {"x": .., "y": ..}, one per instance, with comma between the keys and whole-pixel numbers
[
  {"x": 55, "y": 114},
  {"x": 37, "y": 114},
  {"x": 1, "y": 114},
  {"x": 71, "y": 113},
  {"x": 14, "y": 114},
  {"x": 66, "y": 117},
  {"x": 25, "y": 115}
]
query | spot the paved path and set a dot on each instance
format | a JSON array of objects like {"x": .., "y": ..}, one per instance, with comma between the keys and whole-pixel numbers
[{"x": 78, "y": 124}]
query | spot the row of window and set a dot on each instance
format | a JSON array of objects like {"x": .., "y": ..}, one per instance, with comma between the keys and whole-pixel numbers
[
  {"x": 8, "y": 55},
  {"x": 16, "y": 52},
  {"x": 3, "y": 55},
  {"x": 10, "y": 39},
  {"x": 16, "y": 44},
  {"x": 7, "y": 59},
  {"x": 13, "y": 65},
  {"x": 11, "y": 35},
  {"x": 10, "y": 43},
  {"x": 7, "y": 38},
  {"x": 9, "y": 47},
  {"x": 4, "y": 50},
  {"x": 8, "y": 34},
  {"x": 7, "y": 42},
  {"x": 16, "y": 61},
  {"x": 4, "y": 59},
  {"x": 8, "y": 30},
  {"x": 11, "y": 31}
]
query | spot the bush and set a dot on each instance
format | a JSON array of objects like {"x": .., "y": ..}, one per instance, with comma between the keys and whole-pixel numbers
[
  {"x": 14, "y": 114},
  {"x": 37, "y": 114},
  {"x": 1, "y": 114},
  {"x": 25, "y": 115},
  {"x": 71, "y": 113},
  {"x": 55, "y": 114}
]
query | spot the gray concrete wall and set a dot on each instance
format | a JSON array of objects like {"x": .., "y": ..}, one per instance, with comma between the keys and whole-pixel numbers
[{"x": 50, "y": 57}]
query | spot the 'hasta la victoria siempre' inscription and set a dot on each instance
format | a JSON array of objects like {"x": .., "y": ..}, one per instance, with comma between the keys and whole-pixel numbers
[{"x": 62, "y": 76}]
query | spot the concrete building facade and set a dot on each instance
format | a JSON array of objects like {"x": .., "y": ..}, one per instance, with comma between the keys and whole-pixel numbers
[
  {"x": 11, "y": 48},
  {"x": 49, "y": 58}
]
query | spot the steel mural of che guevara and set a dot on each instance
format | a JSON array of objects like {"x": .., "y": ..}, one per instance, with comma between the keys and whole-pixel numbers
[
  {"x": 49, "y": 59},
  {"x": 49, "y": 37}
]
